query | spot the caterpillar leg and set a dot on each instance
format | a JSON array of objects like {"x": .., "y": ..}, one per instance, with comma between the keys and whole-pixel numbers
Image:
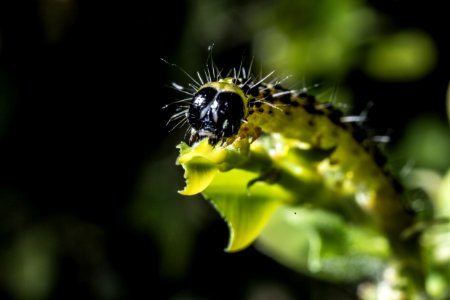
[{"x": 247, "y": 132}]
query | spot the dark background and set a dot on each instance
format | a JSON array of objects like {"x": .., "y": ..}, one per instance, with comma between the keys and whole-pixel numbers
[{"x": 80, "y": 119}]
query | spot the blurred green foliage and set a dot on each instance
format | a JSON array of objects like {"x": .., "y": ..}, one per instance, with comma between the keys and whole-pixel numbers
[
  {"x": 323, "y": 245},
  {"x": 426, "y": 143},
  {"x": 318, "y": 39},
  {"x": 164, "y": 216},
  {"x": 30, "y": 270},
  {"x": 7, "y": 101}
]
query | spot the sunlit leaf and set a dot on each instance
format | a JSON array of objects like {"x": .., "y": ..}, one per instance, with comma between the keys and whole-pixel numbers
[
  {"x": 200, "y": 164},
  {"x": 246, "y": 209},
  {"x": 199, "y": 172}
]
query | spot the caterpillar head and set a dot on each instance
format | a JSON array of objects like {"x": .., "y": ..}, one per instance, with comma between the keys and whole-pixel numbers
[{"x": 217, "y": 110}]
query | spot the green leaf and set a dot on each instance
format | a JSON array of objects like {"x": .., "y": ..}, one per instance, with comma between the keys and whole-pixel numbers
[
  {"x": 322, "y": 244},
  {"x": 200, "y": 164},
  {"x": 247, "y": 185},
  {"x": 246, "y": 209},
  {"x": 199, "y": 172}
]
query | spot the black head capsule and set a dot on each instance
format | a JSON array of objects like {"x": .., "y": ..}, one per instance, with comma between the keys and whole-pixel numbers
[{"x": 217, "y": 111}]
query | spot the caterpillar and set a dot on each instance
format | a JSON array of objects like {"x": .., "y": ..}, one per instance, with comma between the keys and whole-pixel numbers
[
  {"x": 222, "y": 111},
  {"x": 237, "y": 106}
]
